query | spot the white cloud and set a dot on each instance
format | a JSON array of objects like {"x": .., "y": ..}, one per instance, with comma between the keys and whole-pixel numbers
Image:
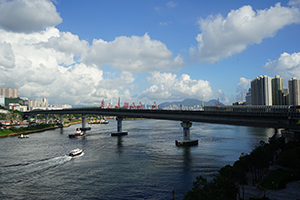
[
  {"x": 133, "y": 54},
  {"x": 28, "y": 15},
  {"x": 165, "y": 23},
  {"x": 242, "y": 88},
  {"x": 287, "y": 66},
  {"x": 294, "y": 3},
  {"x": 243, "y": 84},
  {"x": 171, "y": 4},
  {"x": 222, "y": 97},
  {"x": 57, "y": 65},
  {"x": 43, "y": 64},
  {"x": 7, "y": 58},
  {"x": 223, "y": 37},
  {"x": 169, "y": 86}
]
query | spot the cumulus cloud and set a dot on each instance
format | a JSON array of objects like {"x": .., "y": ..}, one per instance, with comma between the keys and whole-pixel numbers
[
  {"x": 294, "y": 3},
  {"x": 242, "y": 88},
  {"x": 44, "y": 65},
  {"x": 223, "y": 37},
  {"x": 222, "y": 97},
  {"x": 57, "y": 65},
  {"x": 41, "y": 61},
  {"x": 243, "y": 84},
  {"x": 133, "y": 54},
  {"x": 28, "y": 15},
  {"x": 7, "y": 58},
  {"x": 169, "y": 86},
  {"x": 287, "y": 66}
]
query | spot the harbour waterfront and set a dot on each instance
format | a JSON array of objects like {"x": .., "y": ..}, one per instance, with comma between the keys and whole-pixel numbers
[{"x": 145, "y": 164}]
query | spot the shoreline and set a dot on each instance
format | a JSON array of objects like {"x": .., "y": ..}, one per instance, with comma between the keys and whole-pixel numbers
[
  {"x": 57, "y": 126},
  {"x": 38, "y": 130}
]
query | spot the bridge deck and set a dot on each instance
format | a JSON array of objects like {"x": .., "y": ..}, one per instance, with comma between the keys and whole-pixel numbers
[{"x": 258, "y": 119}]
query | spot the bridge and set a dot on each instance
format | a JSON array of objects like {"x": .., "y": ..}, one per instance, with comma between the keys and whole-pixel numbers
[{"x": 278, "y": 117}]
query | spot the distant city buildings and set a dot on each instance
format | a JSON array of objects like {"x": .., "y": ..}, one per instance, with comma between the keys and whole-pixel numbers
[
  {"x": 2, "y": 101},
  {"x": 8, "y": 93},
  {"x": 9, "y": 98},
  {"x": 269, "y": 91}
]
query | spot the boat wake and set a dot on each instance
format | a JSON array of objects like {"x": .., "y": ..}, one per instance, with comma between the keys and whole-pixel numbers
[{"x": 15, "y": 172}]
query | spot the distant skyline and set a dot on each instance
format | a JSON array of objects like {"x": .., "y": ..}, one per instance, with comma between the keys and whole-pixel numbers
[{"x": 80, "y": 52}]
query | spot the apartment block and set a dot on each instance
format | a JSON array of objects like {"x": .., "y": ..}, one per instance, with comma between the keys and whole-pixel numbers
[
  {"x": 277, "y": 90},
  {"x": 294, "y": 91},
  {"x": 261, "y": 91}
]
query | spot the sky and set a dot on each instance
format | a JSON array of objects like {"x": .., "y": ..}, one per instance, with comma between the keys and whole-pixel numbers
[{"x": 83, "y": 51}]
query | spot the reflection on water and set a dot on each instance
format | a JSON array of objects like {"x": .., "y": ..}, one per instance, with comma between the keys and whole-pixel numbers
[{"x": 145, "y": 164}]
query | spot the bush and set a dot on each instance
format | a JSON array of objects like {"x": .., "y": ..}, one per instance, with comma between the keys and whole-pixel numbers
[{"x": 290, "y": 158}]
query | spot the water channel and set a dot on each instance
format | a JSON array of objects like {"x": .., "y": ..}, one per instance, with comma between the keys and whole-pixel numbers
[{"x": 145, "y": 164}]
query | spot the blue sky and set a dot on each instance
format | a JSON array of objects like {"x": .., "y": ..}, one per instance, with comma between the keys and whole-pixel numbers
[{"x": 80, "y": 52}]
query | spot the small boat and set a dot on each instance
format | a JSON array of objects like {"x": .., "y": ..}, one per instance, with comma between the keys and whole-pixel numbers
[
  {"x": 77, "y": 133},
  {"x": 23, "y": 136},
  {"x": 103, "y": 121},
  {"x": 76, "y": 152}
]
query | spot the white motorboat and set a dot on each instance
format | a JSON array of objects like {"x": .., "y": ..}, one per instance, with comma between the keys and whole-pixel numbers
[
  {"x": 76, "y": 152},
  {"x": 23, "y": 136}
]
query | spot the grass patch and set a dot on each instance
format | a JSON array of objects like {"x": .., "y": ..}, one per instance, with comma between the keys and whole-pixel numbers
[
  {"x": 7, "y": 131},
  {"x": 276, "y": 180}
]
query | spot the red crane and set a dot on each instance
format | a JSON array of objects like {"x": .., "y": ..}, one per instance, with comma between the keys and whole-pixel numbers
[
  {"x": 118, "y": 106},
  {"x": 132, "y": 106},
  {"x": 154, "y": 106},
  {"x": 140, "y": 106},
  {"x": 126, "y": 104},
  {"x": 102, "y": 104}
]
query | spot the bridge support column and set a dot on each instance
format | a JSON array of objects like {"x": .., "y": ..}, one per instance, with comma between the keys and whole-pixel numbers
[
  {"x": 46, "y": 120},
  {"x": 61, "y": 119},
  {"x": 84, "y": 128},
  {"x": 119, "y": 128},
  {"x": 35, "y": 118},
  {"x": 186, "y": 136}
]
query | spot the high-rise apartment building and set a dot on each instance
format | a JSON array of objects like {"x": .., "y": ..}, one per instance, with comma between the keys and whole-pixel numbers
[
  {"x": 294, "y": 91},
  {"x": 2, "y": 92},
  {"x": 14, "y": 93},
  {"x": 8, "y": 93},
  {"x": 277, "y": 90},
  {"x": 261, "y": 91},
  {"x": 248, "y": 97},
  {"x": 44, "y": 102}
]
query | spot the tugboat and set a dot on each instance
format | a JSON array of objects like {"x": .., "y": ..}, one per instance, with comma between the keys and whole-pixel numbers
[
  {"x": 76, "y": 152},
  {"x": 77, "y": 133}
]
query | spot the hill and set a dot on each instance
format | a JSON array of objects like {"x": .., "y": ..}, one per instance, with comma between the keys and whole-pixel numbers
[{"x": 190, "y": 102}]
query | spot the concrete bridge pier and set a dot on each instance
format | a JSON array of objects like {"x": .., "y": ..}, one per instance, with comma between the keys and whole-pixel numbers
[
  {"x": 186, "y": 125},
  {"x": 46, "y": 120},
  {"x": 119, "y": 128},
  {"x": 61, "y": 119},
  {"x": 35, "y": 118},
  {"x": 84, "y": 128}
]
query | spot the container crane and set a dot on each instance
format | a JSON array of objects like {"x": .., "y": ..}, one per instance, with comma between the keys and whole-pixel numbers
[
  {"x": 132, "y": 106},
  {"x": 140, "y": 106},
  {"x": 126, "y": 104},
  {"x": 102, "y": 104},
  {"x": 154, "y": 106}
]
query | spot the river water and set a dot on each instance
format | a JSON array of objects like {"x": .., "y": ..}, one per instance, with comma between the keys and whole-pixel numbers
[{"x": 145, "y": 164}]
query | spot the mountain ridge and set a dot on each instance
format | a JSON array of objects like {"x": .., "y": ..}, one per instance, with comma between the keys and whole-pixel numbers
[{"x": 190, "y": 102}]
